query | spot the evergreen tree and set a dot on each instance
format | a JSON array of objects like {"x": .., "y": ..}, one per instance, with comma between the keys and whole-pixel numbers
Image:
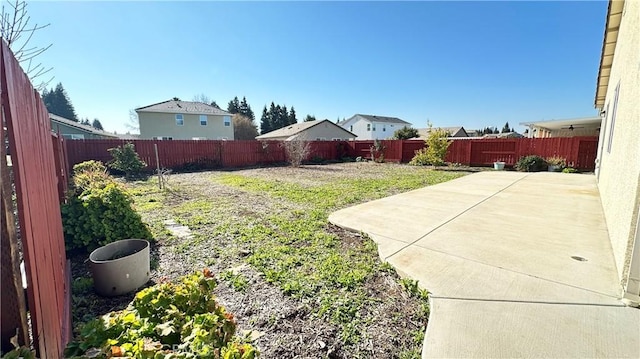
[
  {"x": 234, "y": 105},
  {"x": 495, "y": 130},
  {"x": 85, "y": 122},
  {"x": 245, "y": 109},
  {"x": 284, "y": 116},
  {"x": 292, "y": 116},
  {"x": 506, "y": 128},
  {"x": 58, "y": 103},
  {"x": 265, "y": 121},
  {"x": 214, "y": 104},
  {"x": 309, "y": 118},
  {"x": 97, "y": 125}
]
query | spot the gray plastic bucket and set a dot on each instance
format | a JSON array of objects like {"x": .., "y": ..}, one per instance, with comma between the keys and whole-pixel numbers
[{"x": 120, "y": 267}]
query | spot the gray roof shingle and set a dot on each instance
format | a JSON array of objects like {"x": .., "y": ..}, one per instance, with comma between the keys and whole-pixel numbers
[
  {"x": 173, "y": 106},
  {"x": 385, "y": 119}
]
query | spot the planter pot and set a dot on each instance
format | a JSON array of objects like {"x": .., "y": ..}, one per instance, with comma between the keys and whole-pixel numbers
[
  {"x": 498, "y": 165},
  {"x": 120, "y": 267},
  {"x": 552, "y": 168}
]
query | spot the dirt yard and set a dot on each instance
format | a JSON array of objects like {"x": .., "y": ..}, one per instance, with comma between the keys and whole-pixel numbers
[{"x": 301, "y": 287}]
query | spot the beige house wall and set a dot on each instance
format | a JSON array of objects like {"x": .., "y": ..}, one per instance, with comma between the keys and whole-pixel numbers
[
  {"x": 325, "y": 131},
  {"x": 619, "y": 167},
  {"x": 546, "y": 133},
  {"x": 156, "y": 124}
]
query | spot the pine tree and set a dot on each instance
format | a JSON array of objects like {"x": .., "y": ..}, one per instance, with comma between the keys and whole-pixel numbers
[
  {"x": 97, "y": 125},
  {"x": 85, "y": 122},
  {"x": 214, "y": 104},
  {"x": 309, "y": 118},
  {"x": 265, "y": 121},
  {"x": 245, "y": 109},
  {"x": 506, "y": 128},
  {"x": 234, "y": 105},
  {"x": 58, "y": 103},
  {"x": 284, "y": 116},
  {"x": 292, "y": 116}
]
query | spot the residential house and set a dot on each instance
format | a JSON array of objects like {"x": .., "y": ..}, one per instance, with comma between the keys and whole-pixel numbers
[
  {"x": 184, "y": 120},
  {"x": 319, "y": 130},
  {"x": 584, "y": 126},
  {"x": 74, "y": 130},
  {"x": 503, "y": 135},
  {"x": 372, "y": 127},
  {"x": 618, "y": 160},
  {"x": 454, "y": 132}
]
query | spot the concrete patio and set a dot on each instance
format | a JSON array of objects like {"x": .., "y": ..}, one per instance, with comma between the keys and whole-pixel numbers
[{"x": 518, "y": 264}]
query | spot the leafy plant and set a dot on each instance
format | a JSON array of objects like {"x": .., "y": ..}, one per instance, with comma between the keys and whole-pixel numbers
[
  {"x": 405, "y": 133},
  {"x": 557, "y": 161},
  {"x": 99, "y": 211},
  {"x": 569, "y": 170},
  {"x": 436, "y": 151},
  {"x": 126, "y": 159},
  {"x": 168, "y": 320},
  {"x": 531, "y": 163}
]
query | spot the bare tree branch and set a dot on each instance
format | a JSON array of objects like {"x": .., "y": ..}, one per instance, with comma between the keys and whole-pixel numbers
[{"x": 14, "y": 23}]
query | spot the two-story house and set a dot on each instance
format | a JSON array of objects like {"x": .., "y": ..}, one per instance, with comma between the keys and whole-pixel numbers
[
  {"x": 372, "y": 127},
  {"x": 184, "y": 120}
]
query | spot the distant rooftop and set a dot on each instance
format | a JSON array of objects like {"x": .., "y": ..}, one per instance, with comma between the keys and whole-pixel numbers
[
  {"x": 173, "y": 106},
  {"x": 385, "y": 119},
  {"x": 78, "y": 125}
]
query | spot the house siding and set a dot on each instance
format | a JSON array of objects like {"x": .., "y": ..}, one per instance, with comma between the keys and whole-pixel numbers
[
  {"x": 69, "y": 130},
  {"x": 325, "y": 131},
  {"x": 619, "y": 170},
  {"x": 156, "y": 124},
  {"x": 360, "y": 128}
]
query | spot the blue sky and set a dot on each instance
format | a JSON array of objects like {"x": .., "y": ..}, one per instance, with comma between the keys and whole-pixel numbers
[{"x": 474, "y": 64}]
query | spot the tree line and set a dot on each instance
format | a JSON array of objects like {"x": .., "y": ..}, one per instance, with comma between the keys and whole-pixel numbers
[{"x": 58, "y": 103}]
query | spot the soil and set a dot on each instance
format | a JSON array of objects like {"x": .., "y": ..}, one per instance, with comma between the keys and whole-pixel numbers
[{"x": 282, "y": 326}]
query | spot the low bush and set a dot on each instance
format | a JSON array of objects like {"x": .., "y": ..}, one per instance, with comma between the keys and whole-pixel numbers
[
  {"x": 531, "y": 163},
  {"x": 167, "y": 320},
  {"x": 126, "y": 160},
  {"x": 569, "y": 170},
  {"x": 98, "y": 210},
  {"x": 436, "y": 151}
]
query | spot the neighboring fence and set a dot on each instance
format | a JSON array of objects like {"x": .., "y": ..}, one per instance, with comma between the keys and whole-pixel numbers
[
  {"x": 37, "y": 200},
  {"x": 579, "y": 151}
]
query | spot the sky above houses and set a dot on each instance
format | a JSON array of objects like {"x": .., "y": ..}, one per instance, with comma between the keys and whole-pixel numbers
[{"x": 474, "y": 64}]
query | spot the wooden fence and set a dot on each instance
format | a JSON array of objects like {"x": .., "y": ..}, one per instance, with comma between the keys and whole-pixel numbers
[
  {"x": 579, "y": 151},
  {"x": 37, "y": 200}
]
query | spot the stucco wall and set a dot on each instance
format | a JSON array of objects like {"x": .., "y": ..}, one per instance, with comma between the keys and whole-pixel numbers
[
  {"x": 326, "y": 131},
  {"x": 619, "y": 173},
  {"x": 154, "y": 124}
]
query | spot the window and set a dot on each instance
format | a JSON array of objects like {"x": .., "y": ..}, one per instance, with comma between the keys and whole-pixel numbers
[
  {"x": 320, "y": 139},
  {"x": 351, "y": 128},
  {"x": 179, "y": 120},
  {"x": 368, "y": 127},
  {"x": 613, "y": 117},
  {"x": 336, "y": 139},
  {"x": 74, "y": 136},
  {"x": 227, "y": 121},
  {"x": 163, "y": 138},
  {"x": 203, "y": 120},
  {"x": 374, "y": 126},
  {"x": 384, "y": 128}
]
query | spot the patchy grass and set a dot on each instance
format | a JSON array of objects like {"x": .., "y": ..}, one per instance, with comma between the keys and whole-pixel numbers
[{"x": 330, "y": 286}]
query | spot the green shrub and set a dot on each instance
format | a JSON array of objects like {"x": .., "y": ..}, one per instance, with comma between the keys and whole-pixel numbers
[
  {"x": 98, "y": 211},
  {"x": 405, "y": 133},
  {"x": 90, "y": 174},
  {"x": 167, "y": 320},
  {"x": 531, "y": 163},
  {"x": 436, "y": 151},
  {"x": 125, "y": 159},
  {"x": 569, "y": 170}
]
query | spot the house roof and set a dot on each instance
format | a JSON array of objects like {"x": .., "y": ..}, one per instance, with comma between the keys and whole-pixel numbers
[
  {"x": 296, "y": 128},
  {"x": 594, "y": 121},
  {"x": 503, "y": 135},
  {"x": 79, "y": 126},
  {"x": 611, "y": 29},
  {"x": 452, "y": 130},
  {"x": 385, "y": 119},
  {"x": 173, "y": 106}
]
